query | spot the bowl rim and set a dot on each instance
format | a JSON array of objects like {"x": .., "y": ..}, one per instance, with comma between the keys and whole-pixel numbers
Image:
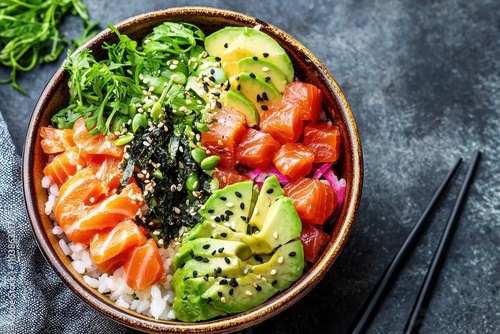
[{"x": 229, "y": 323}]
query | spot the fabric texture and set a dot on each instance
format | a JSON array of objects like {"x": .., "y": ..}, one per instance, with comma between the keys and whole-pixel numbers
[{"x": 34, "y": 299}]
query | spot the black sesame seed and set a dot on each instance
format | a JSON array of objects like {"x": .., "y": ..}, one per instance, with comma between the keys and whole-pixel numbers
[
  {"x": 213, "y": 253},
  {"x": 222, "y": 217},
  {"x": 229, "y": 212},
  {"x": 242, "y": 206},
  {"x": 265, "y": 54},
  {"x": 223, "y": 234},
  {"x": 219, "y": 270},
  {"x": 244, "y": 218},
  {"x": 252, "y": 75},
  {"x": 226, "y": 45},
  {"x": 217, "y": 59},
  {"x": 195, "y": 273},
  {"x": 205, "y": 88},
  {"x": 238, "y": 194},
  {"x": 274, "y": 282},
  {"x": 258, "y": 98},
  {"x": 211, "y": 78},
  {"x": 218, "y": 104},
  {"x": 209, "y": 300},
  {"x": 231, "y": 292},
  {"x": 238, "y": 87},
  {"x": 219, "y": 293},
  {"x": 207, "y": 246},
  {"x": 255, "y": 58},
  {"x": 220, "y": 250},
  {"x": 223, "y": 282},
  {"x": 223, "y": 198},
  {"x": 258, "y": 258},
  {"x": 258, "y": 288},
  {"x": 205, "y": 260},
  {"x": 267, "y": 79},
  {"x": 292, "y": 254},
  {"x": 185, "y": 278},
  {"x": 198, "y": 258},
  {"x": 211, "y": 211},
  {"x": 263, "y": 107},
  {"x": 212, "y": 71},
  {"x": 227, "y": 260},
  {"x": 205, "y": 277},
  {"x": 216, "y": 93},
  {"x": 233, "y": 282},
  {"x": 217, "y": 219},
  {"x": 264, "y": 96},
  {"x": 270, "y": 190},
  {"x": 191, "y": 253},
  {"x": 182, "y": 265}
]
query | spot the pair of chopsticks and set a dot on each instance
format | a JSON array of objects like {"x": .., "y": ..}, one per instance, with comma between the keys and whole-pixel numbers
[{"x": 417, "y": 313}]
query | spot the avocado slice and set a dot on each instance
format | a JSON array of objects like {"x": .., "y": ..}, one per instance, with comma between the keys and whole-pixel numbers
[
  {"x": 239, "y": 102},
  {"x": 230, "y": 206},
  {"x": 209, "y": 229},
  {"x": 255, "y": 43},
  {"x": 208, "y": 247},
  {"x": 271, "y": 189},
  {"x": 240, "y": 294},
  {"x": 264, "y": 68},
  {"x": 255, "y": 88},
  {"x": 188, "y": 302},
  {"x": 218, "y": 42},
  {"x": 284, "y": 267},
  {"x": 281, "y": 225}
]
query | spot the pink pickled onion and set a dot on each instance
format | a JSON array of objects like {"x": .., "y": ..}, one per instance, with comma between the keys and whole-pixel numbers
[
  {"x": 321, "y": 170},
  {"x": 258, "y": 175},
  {"x": 338, "y": 187}
]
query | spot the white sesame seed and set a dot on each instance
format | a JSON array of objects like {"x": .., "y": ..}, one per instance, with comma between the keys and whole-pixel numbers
[
  {"x": 265, "y": 69},
  {"x": 177, "y": 210},
  {"x": 223, "y": 299},
  {"x": 273, "y": 272},
  {"x": 275, "y": 235},
  {"x": 229, "y": 204},
  {"x": 92, "y": 199},
  {"x": 248, "y": 293},
  {"x": 280, "y": 260}
]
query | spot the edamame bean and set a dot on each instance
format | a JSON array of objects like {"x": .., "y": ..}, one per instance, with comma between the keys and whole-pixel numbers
[
  {"x": 156, "y": 110},
  {"x": 157, "y": 174},
  {"x": 139, "y": 120},
  {"x": 192, "y": 182},
  {"x": 210, "y": 162},
  {"x": 125, "y": 139},
  {"x": 198, "y": 155}
]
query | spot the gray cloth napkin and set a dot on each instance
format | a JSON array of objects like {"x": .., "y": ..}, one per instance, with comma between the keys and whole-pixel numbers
[{"x": 32, "y": 297}]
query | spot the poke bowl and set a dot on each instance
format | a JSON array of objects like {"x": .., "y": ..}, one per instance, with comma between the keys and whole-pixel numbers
[{"x": 192, "y": 170}]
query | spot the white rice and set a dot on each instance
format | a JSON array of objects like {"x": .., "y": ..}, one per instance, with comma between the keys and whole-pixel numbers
[{"x": 155, "y": 301}]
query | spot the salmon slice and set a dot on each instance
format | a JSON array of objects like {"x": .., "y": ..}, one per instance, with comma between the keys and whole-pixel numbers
[
  {"x": 256, "y": 149},
  {"x": 144, "y": 266},
  {"x": 283, "y": 122},
  {"x": 324, "y": 140},
  {"x": 109, "y": 266},
  {"x": 306, "y": 96},
  {"x": 106, "y": 169},
  {"x": 294, "y": 160},
  {"x": 110, "y": 211},
  {"x": 64, "y": 165},
  {"x": 224, "y": 134},
  {"x": 78, "y": 192},
  {"x": 100, "y": 144},
  {"x": 56, "y": 140},
  {"x": 313, "y": 200},
  {"x": 109, "y": 244}
]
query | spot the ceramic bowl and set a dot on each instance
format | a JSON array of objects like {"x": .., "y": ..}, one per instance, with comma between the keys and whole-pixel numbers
[{"x": 307, "y": 68}]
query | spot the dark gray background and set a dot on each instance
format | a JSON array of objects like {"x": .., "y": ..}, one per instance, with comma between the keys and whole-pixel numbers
[{"x": 423, "y": 81}]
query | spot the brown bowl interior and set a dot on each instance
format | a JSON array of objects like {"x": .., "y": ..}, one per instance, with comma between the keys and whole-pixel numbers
[{"x": 308, "y": 68}]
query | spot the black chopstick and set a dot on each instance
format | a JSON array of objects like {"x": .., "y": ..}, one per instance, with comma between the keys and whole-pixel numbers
[
  {"x": 367, "y": 312},
  {"x": 423, "y": 297}
]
